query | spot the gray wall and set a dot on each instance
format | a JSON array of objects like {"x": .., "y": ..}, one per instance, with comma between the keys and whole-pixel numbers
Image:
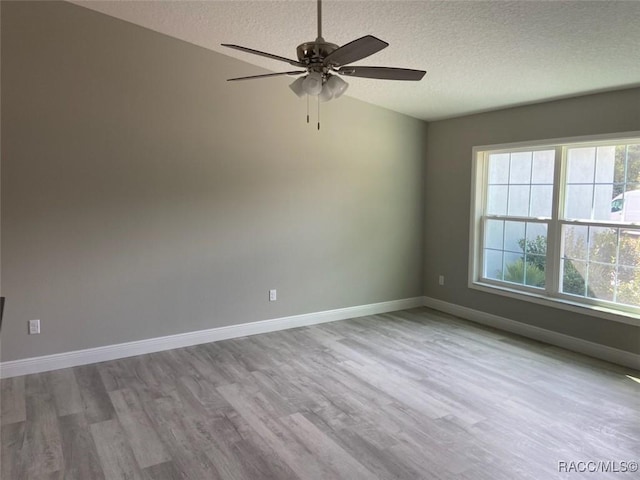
[
  {"x": 142, "y": 195},
  {"x": 448, "y": 183}
]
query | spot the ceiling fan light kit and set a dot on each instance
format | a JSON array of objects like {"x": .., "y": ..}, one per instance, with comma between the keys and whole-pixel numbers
[
  {"x": 337, "y": 85},
  {"x": 325, "y": 94},
  {"x": 297, "y": 88},
  {"x": 321, "y": 63},
  {"x": 312, "y": 84}
]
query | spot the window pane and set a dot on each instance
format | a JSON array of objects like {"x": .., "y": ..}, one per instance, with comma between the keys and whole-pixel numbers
[
  {"x": 513, "y": 268},
  {"x": 616, "y": 171},
  {"x": 633, "y": 163},
  {"x": 603, "y": 244},
  {"x": 581, "y": 165},
  {"x": 605, "y": 164},
  {"x": 534, "y": 272},
  {"x": 535, "y": 254},
  {"x": 601, "y": 281},
  {"x": 499, "y": 168},
  {"x": 629, "y": 248},
  {"x": 602, "y": 206},
  {"x": 541, "y": 200},
  {"x": 605, "y": 268},
  {"x": 495, "y": 234},
  {"x": 628, "y": 286},
  {"x": 514, "y": 236},
  {"x": 575, "y": 242},
  {"x": 493, "y": 264},
  {"x": 578, "y": 200},
  {"x": 620, "y": 167},
  {"x": 520, "y": 168},
  {"x": 518, "y": 200},
  {"x": 523, "y": 258},
  {"x": 573, "y": 277},
  {"x": 497, "y": 200},
  {"x": 629, "y": 205},
  {"x": 543, "y": 166},
  {"x": 536, "y": 238}
]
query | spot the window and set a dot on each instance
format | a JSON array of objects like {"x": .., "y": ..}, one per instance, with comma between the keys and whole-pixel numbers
[{"x": 559, "y": 221}]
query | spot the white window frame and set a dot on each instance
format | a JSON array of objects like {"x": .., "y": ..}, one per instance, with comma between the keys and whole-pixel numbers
[{"x": 550, "y": 295}]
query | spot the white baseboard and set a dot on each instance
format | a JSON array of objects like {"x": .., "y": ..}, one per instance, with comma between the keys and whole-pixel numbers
[
  {"x": 112, "y": 352},
  {"x": 596, "y": 350},
  {"x": 122, "y": 350}
]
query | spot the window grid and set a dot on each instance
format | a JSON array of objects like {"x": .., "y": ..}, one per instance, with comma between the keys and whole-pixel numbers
[
  {"x": 557, "y": 221},
  {"x": 504, "y": 250},
  {"x": 509, "y": 185},
  {"x": 589, "y": 261}
]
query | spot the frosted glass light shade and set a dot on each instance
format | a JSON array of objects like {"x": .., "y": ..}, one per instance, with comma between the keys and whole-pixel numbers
[
  {"x": 312, "y": 84},
  {"x": 297, "y": 87},
  {"x": 337, "y": 85},
  {"x": 326, "y": 93}
]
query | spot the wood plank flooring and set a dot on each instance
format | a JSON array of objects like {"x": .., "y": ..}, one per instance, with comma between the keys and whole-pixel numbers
[{"x": 412, "y": 395}]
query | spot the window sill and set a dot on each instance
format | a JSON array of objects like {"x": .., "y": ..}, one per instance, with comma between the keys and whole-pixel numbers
[{"x": 560, "y": 303}]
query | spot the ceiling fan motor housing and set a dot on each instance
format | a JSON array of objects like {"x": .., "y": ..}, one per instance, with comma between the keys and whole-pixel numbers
[{"x": 313, "y": 53}]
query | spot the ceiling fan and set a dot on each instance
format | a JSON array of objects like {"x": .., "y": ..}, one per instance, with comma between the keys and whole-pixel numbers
[{"x": 320, "y": 60}]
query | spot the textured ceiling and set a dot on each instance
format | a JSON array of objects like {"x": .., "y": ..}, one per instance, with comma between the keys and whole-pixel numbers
[{"x": 478, "y": 55}]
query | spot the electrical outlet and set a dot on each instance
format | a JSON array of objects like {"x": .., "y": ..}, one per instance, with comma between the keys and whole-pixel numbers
[
  {"x": 34, "y": 327},
  {"x": 441, "y": 280},
  {"x": 273, "y": 295}
]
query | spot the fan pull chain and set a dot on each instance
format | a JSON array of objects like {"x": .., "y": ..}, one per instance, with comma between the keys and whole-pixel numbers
[
  {"x": 318, "y": 112},
  {"x": 307, "y": 108}
]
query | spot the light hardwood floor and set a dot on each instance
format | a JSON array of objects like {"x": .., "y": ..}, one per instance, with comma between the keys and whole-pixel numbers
[{"x": 410, "y": 395}]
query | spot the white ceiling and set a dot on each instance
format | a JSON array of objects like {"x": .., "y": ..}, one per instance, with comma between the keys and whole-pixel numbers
[{"x": 479, "y": 55}]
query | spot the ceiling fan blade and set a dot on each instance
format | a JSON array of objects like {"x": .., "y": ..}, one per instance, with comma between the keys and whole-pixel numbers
[
  {"x": 295, "y": 63},
  {"x": 295, "y": 72},
  {"x": 383, "y": 73},
  {"x": 356, "y": 50}
]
